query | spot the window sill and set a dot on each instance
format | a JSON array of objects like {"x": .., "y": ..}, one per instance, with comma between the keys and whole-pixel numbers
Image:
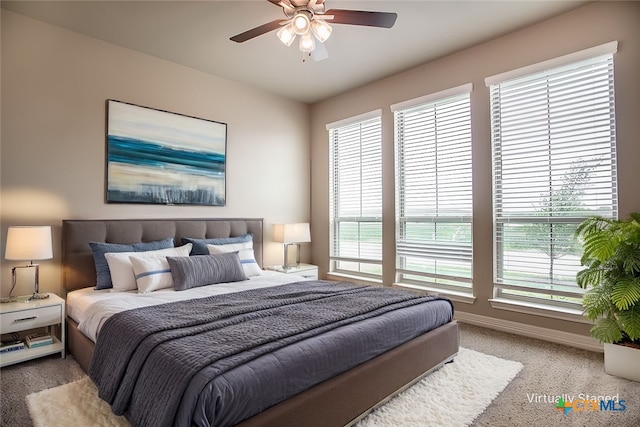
[
  {"x": 354, "y": 278},
  {"x": 561, "y": 313},
  {"x": 452, "y": 295}
]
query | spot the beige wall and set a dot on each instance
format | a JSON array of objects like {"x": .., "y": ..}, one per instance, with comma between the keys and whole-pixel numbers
[
  {"x": 588, "y": 26},
  {"x": 54, "y": 86}
]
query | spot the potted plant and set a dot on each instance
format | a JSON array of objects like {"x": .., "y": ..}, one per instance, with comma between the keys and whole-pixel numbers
[{"x": 611, "y": 255}]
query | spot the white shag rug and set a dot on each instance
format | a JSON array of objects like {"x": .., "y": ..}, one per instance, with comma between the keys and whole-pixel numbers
[
  {"x": 74, "y": 404},
  {"x": 452, "y": 396}
]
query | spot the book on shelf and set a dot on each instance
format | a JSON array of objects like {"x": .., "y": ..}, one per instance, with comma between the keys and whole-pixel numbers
[
  {"x": 37, "y": 340},
  {"x": 8, "y": 346}
]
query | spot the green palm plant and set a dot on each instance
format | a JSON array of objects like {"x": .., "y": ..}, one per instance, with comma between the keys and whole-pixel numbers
[{"x": 611, "y": 254}]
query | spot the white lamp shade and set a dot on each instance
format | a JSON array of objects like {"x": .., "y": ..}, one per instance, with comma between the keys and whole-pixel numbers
[
  {"x": 292, "y": 233},
  {"x": 28, "y": 243}
]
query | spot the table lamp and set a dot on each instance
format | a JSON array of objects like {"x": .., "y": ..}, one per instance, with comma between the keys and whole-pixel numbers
[
  {"x": 291, "y": 234},
  {"x": 29, "y": 243}
]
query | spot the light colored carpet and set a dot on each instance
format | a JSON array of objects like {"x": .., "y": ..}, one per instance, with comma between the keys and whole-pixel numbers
[
  {"x": 550, "y": 370},
  {"x": 452, "y": 396}
]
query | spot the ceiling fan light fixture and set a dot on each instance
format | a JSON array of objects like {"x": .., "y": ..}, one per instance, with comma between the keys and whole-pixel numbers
[
  {"x": 308, "y": 19},
  {"x": 301, "y": 22},
  {"x": 321, "y": 29},
  {"x": 286, "y": 34},
  {"x": 307, "y": 43}
]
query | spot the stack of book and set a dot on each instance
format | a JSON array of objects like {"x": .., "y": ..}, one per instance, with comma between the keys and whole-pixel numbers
[
  {"x": 38, "y": 340},
  {"x": 12, "y": 345}
]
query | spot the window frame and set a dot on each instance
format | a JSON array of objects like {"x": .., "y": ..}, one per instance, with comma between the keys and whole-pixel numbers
[
  {"x": 433, "y": 251},
  {"x": 506, "y": 292},
  {"x": 370, "y": 120}
]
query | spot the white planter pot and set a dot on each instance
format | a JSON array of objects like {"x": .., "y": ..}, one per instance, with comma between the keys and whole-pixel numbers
[{"x": 622, "y": 361}]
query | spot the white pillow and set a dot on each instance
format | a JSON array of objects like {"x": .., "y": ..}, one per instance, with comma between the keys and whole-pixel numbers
[
  {"x": 230, "y": 247},
  {"x": 121, "y": 269},
  {"x": 245, "y": 253},
  {"x": 151, "y": 273}
]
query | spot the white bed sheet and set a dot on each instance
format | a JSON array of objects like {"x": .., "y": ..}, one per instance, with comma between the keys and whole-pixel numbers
[{"x": 90, "y": 308}]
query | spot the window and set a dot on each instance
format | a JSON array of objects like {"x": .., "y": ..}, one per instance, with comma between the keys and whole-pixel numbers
[
  {"x": 434, "y": 191},
  {"x": 554, "y": 164},
  {"x": 356, "y": 196}
]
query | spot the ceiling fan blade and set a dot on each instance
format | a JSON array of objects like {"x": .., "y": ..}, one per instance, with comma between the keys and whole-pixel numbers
[
  {"x": 258, "y": 31},
  {"x": 360, "y": 17},
  {"x": 280, "y": 3}
]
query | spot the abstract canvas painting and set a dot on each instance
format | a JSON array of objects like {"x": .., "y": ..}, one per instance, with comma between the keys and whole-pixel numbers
[{"x": 159, "y": 157}]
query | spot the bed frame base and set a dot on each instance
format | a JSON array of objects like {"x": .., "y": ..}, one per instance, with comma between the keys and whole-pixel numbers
[{"x": 79, "y": 345}]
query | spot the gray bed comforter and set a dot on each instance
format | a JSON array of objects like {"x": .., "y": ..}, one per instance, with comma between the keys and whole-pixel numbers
[{"x": 219, "y": 360}]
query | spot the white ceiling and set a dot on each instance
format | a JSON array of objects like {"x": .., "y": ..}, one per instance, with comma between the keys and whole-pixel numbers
[{"x": 196, "y": 34}]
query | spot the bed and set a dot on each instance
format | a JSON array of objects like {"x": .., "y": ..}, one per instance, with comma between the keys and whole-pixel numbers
[{"x": 341, "y": 399}]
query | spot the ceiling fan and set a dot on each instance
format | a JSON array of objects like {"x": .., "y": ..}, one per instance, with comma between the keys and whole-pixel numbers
[{"x": 308, "y": 19}]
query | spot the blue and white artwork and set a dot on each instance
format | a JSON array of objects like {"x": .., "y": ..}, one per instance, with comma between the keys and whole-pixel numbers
[{"x": 166, "y": 158}]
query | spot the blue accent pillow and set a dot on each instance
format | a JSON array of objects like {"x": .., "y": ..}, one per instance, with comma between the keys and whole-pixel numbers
[
  {"x": 103, "y": 276},
  {"x": 200, "y": 245}
]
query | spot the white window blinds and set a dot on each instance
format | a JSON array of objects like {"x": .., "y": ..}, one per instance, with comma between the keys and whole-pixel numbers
[
  {"x": 434, "y": 190},
  {"x": 356, "y": 196},
  {"x": 554, "y": 164}
]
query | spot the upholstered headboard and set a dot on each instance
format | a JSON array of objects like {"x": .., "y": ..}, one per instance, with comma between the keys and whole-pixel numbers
[{"x": 78, "y": 268}]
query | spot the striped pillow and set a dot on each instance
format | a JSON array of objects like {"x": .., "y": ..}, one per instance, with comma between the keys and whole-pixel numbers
[
  {"x": 201, "y": 270},
  {"x": 151, "y": 274},
  {"x": 122, "y": 274},
  {"x": 245, "y": 252}
]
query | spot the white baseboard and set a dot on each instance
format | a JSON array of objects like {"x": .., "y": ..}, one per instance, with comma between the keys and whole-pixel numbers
[{"x": 559, "y": 337}]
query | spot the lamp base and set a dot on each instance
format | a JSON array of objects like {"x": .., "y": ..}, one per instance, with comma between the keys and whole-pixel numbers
[
  {"x": 286, "y": 264},
  {"x": 37, "y": 296}
]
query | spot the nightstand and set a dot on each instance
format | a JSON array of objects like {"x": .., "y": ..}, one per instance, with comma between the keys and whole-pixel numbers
[
  {"x": 22, "y": 316},
  {"x": 304, "y": 270}
]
